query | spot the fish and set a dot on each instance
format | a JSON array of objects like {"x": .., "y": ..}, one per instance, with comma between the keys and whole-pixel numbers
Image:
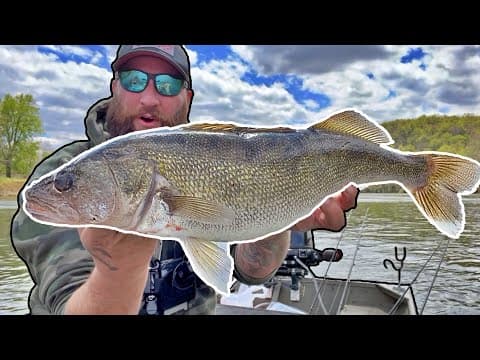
[{"x": 210, "y": 185}]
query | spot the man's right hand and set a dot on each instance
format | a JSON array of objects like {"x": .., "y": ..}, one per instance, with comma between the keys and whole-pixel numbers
[{"x": 118, "y": 280}]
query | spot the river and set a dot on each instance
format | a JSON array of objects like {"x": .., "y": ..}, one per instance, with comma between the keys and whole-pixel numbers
[{"x": 378, "y": 224}]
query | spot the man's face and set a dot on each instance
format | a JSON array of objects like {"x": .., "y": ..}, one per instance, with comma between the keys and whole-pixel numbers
[{"x": 148, "y": 109}]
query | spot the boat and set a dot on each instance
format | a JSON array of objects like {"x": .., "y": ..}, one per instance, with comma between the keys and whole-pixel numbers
[{"x": 296, "y": 290}]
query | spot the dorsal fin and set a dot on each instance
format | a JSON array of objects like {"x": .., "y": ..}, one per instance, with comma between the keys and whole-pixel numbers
[
  {"x": 353, "y": 123},
  {"x": 232, "y": 128}
]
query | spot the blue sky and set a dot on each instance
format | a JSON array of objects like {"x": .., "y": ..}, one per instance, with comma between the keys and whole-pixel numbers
[{"x": 257, "y": 84}]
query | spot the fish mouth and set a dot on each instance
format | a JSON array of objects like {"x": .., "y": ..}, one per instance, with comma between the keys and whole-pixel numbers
[{"x": 49, "y": 210}]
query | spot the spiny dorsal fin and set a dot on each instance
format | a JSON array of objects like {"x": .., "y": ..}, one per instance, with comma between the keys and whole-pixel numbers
[
  {"x": 235, "y": 129},
  {"x": 353, "y": 123}
]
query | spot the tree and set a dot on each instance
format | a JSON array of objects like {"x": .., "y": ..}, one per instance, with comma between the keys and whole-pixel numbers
[
  {"x": 19, "y": 122},
  {"x": 25, "y": 158}
]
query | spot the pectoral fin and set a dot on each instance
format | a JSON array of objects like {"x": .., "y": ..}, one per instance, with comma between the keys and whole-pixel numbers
[
  {"x": 211, "y": 261},
  {"x": 200, "y": 209}
]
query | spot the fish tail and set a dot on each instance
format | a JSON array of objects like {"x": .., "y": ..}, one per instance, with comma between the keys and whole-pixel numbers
[{"x": 439, "y": 199}]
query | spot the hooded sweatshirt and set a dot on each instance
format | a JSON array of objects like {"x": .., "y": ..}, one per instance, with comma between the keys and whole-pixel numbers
[{"x": 55, "y": 257}]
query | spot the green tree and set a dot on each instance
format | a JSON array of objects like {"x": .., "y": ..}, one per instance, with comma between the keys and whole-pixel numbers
[
  {"x": 19, "y": 122},
  {"x": 26, "y": 157}
]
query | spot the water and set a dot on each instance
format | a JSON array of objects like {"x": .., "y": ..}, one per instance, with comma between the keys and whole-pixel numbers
[
  {"x": 393, "y": 220},
  {"x": 15, "y": 282}
]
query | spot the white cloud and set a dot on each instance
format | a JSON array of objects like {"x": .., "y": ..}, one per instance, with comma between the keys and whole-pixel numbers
[
  {"x": 342, "y": 76},
  {"x": 221, "y": 94},
  {"x": 64, "y": 90},
  {"x": 192, "y": 56}
]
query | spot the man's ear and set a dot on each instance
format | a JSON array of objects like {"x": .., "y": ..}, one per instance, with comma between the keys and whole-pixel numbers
[
  {"x": 190, "y": 95},
  {"x": 113, "y": 85}
]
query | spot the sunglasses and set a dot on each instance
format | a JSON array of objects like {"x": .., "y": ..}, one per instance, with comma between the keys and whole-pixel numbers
[{"x": 136, "y": 81}]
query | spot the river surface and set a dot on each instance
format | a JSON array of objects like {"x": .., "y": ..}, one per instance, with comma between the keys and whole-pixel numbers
[{"x": 378, "y": 224}]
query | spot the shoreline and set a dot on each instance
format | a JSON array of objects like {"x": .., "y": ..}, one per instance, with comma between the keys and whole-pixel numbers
[
  {"x": 8, "y": 198},
  {"x": 10, "y": 187}
]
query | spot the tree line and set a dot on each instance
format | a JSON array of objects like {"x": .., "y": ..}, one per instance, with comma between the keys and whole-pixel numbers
[{"x": 457, "y": 134}]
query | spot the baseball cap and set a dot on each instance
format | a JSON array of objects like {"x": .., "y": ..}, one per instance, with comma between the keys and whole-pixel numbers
[{"x": 176, "y": 55}]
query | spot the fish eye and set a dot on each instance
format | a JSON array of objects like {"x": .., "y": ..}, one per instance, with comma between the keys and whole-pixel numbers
[{"x": 63, "y": 181}]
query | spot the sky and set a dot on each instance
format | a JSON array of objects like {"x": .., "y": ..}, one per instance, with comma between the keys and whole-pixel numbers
[{"x": 288, "y": 85}]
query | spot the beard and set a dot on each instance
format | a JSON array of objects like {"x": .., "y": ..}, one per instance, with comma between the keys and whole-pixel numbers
[{"x": 119, "y": 119}]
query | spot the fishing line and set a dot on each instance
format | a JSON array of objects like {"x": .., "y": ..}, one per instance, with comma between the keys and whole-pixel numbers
[{"x": 435, "y": 277}]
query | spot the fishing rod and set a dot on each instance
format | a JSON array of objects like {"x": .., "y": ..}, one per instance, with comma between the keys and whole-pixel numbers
[
  {"x": 435, "y": 276},
  {"x": 335, "y": 256},
  {"x": 347, "y": 283}
]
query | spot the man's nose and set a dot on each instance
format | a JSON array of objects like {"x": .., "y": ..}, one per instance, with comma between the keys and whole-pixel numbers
[{"x": 149, "y": 96}]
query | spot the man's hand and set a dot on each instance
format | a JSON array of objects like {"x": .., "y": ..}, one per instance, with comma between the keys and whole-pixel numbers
[
  {"x": 331, "y": 215},
  {"x": 117, "y": 282},
  {"x": 117, "y": 251}
]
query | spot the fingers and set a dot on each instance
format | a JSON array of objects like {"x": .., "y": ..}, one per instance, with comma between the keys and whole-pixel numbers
[
  {"x": 348, "y": 198},
  {"x": 330, "y": 215}
]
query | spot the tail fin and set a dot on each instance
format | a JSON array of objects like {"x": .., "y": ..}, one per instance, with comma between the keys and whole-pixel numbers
[{"x": 450, "y": 176}]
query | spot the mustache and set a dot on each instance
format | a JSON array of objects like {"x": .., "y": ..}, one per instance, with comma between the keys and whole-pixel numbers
[{"x": 119, "y": 119}]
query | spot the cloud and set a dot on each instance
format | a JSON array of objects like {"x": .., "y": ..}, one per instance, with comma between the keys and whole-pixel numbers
[
  {"x": 308, "y": 59},
  {"x": 222, "y": 95},
  {"x": 63, "y": 89},
  {"x": 255, "y": 84}
]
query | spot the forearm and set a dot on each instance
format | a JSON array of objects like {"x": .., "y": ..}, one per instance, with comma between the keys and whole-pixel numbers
[
  {"x": 117, "y": 292},
  {"x": 259, "y": 260}
]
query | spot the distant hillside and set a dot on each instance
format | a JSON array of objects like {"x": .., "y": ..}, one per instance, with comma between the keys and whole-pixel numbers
[{"x": 454, "y": 134}]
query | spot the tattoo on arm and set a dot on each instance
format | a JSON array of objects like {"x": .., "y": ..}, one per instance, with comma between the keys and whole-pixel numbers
[{"x": 261, "y": 258}]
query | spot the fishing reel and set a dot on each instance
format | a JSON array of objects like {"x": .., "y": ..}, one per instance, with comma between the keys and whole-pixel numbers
[
  {"x": 296, "y": 258},
  {"x": 302, "y": 255}
]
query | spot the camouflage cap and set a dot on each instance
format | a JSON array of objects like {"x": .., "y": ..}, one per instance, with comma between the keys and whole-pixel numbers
[{"x": 176, "y": 55}]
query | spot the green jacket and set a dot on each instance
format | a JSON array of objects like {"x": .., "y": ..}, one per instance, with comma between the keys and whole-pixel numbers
[{"x": 55, "y": 257}]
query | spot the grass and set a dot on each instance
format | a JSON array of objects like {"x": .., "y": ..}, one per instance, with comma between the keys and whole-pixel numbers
[{"x": 9, "y": 187}]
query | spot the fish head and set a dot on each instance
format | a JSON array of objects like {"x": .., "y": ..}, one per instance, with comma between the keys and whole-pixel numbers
[{"x": 81, "y": 193}]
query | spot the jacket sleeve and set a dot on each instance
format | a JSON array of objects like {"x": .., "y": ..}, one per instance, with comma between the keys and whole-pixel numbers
[{"x": 55, "y": 257}]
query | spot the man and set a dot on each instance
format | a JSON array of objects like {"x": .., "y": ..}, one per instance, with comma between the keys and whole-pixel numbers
[{"x": 100, "y": 271}]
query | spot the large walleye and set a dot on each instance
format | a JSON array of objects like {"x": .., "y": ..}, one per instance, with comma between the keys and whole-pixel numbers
[{"x": 205, "y": 185}]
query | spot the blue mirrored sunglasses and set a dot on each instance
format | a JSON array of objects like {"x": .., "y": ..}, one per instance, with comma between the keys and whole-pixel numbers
[{"x": 137, "y": 81}]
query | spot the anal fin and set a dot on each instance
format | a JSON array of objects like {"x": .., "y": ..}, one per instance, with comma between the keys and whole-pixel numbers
[{"x": 211, "y": 261}]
